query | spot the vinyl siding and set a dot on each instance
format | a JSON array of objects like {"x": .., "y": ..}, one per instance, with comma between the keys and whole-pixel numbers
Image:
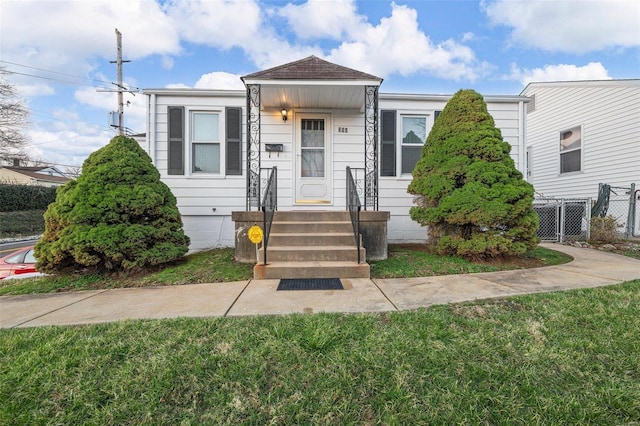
[
  {"x": 609, "y": 113},
  {"x": 206, "y": 202}
]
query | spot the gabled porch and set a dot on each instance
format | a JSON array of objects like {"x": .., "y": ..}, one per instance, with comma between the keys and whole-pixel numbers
[{"x": 311, "y": 144}]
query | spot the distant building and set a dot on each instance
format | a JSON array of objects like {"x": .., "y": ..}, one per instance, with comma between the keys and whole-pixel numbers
[
  {"x": 42, "y": 175},
  {"x": 582, "y": 133}
]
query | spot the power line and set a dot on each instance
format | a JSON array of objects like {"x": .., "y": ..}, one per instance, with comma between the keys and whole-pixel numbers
[
  {"x": 128, "y": 89},
  {"x": 56, "y": 72},
  {"x": 52, "y": 79}
]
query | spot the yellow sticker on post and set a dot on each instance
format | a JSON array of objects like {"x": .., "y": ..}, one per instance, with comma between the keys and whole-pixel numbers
[{"x": 255, "y": 234}]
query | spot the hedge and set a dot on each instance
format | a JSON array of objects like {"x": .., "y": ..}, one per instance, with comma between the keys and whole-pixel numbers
[{"x": 15, "y": 198}]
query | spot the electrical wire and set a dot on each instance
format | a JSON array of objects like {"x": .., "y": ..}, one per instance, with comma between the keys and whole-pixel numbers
[{"x": 128, "y": 89}]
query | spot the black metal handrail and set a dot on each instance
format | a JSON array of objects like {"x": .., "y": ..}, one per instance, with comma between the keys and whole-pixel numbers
[
  {"x": 354, "y": 205},
  {"x": 269, "y": 207}
]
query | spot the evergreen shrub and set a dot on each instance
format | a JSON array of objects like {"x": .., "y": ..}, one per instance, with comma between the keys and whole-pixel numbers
[
  {"x": 467, "y": 189},
  {"x": 117, "y": 216}
]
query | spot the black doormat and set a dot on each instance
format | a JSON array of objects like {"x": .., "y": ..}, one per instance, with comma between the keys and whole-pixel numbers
[{"x": 310, "y": 284}]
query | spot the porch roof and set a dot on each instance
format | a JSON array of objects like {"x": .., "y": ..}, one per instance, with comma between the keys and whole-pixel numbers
[{"x": 312, "y": 83}]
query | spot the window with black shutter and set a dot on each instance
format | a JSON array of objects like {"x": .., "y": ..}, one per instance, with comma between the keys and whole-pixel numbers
[
  {"x": 233, "y": 140},
  {"x": 388, "y": 144},
  {"x": 176, "y": 140}
]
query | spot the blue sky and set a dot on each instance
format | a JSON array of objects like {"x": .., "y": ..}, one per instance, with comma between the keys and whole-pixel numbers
[{"x": 59, "y": 51}]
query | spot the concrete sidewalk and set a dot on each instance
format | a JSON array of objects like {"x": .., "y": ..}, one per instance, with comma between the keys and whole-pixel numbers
[{"x": 591, "y": 268}]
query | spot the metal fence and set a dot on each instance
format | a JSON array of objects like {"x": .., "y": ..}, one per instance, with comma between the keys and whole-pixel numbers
[
  {"x": 622, "y": 204},
  {"x": 563, "y": 219}
]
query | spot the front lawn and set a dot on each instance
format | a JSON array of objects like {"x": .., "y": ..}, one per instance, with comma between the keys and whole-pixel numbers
[
  {"x": 559, "y": 358},
  {"x": 218, "y": 265}
]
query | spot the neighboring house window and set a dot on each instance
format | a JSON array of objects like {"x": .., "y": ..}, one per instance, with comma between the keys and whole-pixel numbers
[
  {"x": 529, "y": 154},
  {"x": 571, "y": 150},
  {"x": 205, "y": 142},
  {"x": 414, "y": 134}
]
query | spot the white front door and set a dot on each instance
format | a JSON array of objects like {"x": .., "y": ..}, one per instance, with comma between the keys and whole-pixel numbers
[{"x": 313, "y": 180}]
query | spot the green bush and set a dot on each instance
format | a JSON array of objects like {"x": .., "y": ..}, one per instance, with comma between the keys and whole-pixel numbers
[
  {"x": 604, "y": 229},
  {"x": 15, "y": 198},
  {"x": 468, "y": 191},
  {"x": 116, "y": 216}
]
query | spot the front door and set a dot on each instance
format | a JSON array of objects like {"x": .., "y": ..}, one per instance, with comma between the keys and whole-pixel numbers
[{"x": 313, "y": 181}]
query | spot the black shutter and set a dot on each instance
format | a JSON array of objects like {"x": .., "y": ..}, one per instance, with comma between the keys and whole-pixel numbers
[
  {"x": 388, "y": 144},
  {"x": 233, "y": 139},
  {"x": 176, "y": 140}
]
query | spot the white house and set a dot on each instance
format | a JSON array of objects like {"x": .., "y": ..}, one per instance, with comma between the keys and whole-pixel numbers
[
  {"x": 582, "y": 133},
  {"x": 311, "y": 119}
]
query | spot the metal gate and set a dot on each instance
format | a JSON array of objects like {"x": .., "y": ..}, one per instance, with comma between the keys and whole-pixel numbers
[{"x": 563, "y": 219}]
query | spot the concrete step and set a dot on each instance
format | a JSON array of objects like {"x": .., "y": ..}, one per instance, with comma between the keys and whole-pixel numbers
[
  {"x": 312, "y": 253},
  {"x": 283, "y": 227},
  {"x": 342, "y": 269},
  {"x": 318, "y": 238},
  {"x": 312, "y": 215}
]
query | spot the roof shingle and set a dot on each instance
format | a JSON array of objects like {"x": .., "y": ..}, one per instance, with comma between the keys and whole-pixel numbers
[{"x": 310, "y": 68}]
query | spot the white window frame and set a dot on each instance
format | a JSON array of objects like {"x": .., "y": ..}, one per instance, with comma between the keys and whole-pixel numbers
[
  {"x": 428, "y": 122},
  {"x": 561, "y": 152},
  {"x": 220, "y": 142}
]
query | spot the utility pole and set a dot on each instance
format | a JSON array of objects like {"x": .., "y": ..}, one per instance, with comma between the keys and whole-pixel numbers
[{"x": 119, "y": 83}]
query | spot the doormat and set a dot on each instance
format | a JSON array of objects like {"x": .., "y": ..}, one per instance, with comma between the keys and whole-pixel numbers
[{"x": 310, "y": 284}]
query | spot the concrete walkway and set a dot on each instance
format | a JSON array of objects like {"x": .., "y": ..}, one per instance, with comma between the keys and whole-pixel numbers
[{"x": 591, "y": 268}]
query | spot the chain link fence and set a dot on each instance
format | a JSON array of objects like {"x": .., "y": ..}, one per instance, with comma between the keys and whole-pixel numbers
[
  {"x": 569, "y": 219},
  {"x": 620, "y": 204},
  {"x": 563, "y": 219}
]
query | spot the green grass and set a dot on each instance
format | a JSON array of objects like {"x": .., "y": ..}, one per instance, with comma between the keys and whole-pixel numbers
[
  {"x": 559, "y": 358},
  {"x": 20, "y": 224},
  {"x": 206, "y": 267},
  {"x": 218, "y": 265},
  {"x": 416, "y": 261}
]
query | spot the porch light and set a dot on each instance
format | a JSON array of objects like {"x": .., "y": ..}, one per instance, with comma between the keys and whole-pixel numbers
[{"x": 284, "y": 114}]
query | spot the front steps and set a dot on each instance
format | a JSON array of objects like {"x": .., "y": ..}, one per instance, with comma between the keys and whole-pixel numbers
[{"x": 311, "y": 244}]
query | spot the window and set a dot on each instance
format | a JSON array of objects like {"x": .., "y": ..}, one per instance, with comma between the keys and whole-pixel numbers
[
  {"x": 571, "y": 150},
  {"x": 414, "y": 134},
  {"x": 208, "y": 150},
  {"x": 205, "y": 142},
  {"x": 312, "y": 148}
]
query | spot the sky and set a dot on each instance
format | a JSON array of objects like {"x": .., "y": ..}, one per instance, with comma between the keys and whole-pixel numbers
[{"x": 59, "y": 53}]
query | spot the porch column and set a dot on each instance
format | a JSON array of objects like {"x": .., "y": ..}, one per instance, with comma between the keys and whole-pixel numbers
[
  {"x": 253, "y": 146},
  {"x": 371, "y": 147}
]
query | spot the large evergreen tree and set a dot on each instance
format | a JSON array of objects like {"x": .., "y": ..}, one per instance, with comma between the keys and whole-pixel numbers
[
  {"x": 467, "y": 188},
  {"x": 116, "y": 216}
]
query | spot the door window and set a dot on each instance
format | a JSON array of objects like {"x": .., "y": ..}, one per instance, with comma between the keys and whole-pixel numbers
[{"x": 312, "y": 148}]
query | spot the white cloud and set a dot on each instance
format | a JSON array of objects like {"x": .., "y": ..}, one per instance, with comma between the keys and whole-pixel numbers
[
  {"x": 218, "y": 23},
  {"x": 67, "y": 35},
  {"x": 561, "y": 72},
  {"x": 397, "y": 45},
  {"x": 32, "y": 90},
  {"x": 69, "y": 143},
  {"x": 568, "y": 25},
  {"x": 134, "y": 110},
  {"x": 220, "y": 80},
  {"x": 331, "y": 19}
]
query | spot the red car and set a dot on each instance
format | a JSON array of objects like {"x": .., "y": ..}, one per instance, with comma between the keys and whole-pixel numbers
[{"x": 18, "y": 262}]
